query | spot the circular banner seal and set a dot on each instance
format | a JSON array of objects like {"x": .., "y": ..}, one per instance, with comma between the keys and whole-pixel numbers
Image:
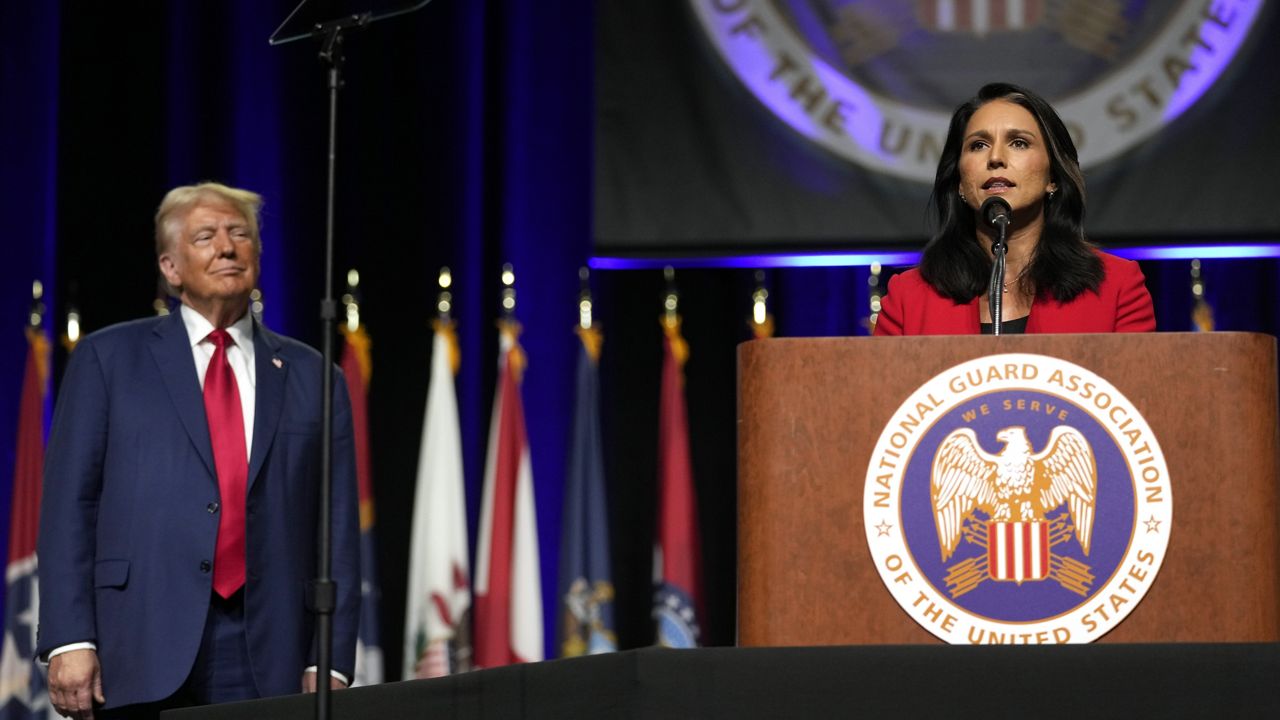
[
  {"x": 1018, "y": 499},
  {"x": 875, "y": 82}
]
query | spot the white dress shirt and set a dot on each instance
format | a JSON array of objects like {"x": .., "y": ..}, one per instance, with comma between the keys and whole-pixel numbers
[{"x": 239, "y": 356}]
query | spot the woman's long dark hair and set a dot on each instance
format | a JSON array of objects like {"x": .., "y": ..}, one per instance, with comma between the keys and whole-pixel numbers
[{"x": 1063, "y": 264}]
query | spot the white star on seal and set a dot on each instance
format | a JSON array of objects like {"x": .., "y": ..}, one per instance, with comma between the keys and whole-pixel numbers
[
  {"x": 1153, "y": 525},
  {"x": 883, "y": 528}
]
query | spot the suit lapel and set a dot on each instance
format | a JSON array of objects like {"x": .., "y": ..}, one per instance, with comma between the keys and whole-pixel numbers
[
  {"x": 172, "y": 352},
  {"x": 271, "y": 372}
]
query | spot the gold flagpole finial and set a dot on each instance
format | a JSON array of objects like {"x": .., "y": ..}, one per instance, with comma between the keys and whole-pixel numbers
[
  {"x": 71, "y": 332},
  {"x": 584, "y": 298},
  {"x": 255, "y": 304},
  {"x": 671, "y": 301},
  {"x": 588, "y": 330},
  {"x": 356, "y": 337},
  {"x": 351, "y": 300},
  {"x": 161, "y": 304},
  {"x": 876, "y": 291},
  {"x": 761, "y": 321},
  {"x": 35, "y": 333},
  {"x": 35, "y": 318},
  {"x": 671, "y": 317},
  {"x": 443, "y": 323},
  {"x": 444, "y": 299},
  {"x": 508, "y": 290},
  {"x": 1201, "y": 310},
  {"x": 508, "y": 326}
]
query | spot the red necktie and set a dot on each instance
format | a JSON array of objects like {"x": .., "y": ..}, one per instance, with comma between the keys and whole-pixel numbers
[{"x": 226, "y": 433}]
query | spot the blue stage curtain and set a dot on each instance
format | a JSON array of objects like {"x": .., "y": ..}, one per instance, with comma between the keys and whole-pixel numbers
[{"x": 29, "y": 68}]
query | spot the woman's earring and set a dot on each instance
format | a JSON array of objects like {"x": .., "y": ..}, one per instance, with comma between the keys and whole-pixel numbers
[
  {"x": 962, "y": 196},
  {"x": 1051, "y": 193}
]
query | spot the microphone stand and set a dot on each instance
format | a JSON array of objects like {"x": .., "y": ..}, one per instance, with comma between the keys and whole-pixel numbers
[
  {"x": 323, "y": 591},
  {"x": 995, "y": 294}
]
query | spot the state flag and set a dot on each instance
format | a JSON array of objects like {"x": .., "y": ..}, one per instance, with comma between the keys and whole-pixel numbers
[
  {"x": 438, "y": 607},
  {"x": 508, "y": 585}
]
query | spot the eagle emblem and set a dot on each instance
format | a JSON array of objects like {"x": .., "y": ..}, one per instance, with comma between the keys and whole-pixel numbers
[{"x": 1018, "y": 490}]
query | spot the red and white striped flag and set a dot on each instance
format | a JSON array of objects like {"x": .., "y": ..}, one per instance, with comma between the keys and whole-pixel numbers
[{"x": 508, "y": 585}]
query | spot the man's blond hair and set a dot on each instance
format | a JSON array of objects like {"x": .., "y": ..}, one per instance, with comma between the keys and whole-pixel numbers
[{"x": 181, "y": 200}]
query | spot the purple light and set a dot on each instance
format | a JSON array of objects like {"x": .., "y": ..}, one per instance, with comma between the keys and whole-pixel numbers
[
  {"x": 789, "y": 260},
  {"x": 1218, "y": 37},
  {"x": 1199, "y": 252},
  {"x": 907, "y": 258}
]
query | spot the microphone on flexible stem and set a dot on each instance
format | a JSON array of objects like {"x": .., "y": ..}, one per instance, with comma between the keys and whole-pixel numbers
[{"x": 997, "y": 213}]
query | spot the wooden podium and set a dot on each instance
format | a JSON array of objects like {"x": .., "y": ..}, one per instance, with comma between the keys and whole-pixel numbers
[{"x": 810, "y": 412}]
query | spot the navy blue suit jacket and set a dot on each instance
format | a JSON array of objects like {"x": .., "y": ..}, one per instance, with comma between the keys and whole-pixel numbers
[{"x": 127, "y": 525}]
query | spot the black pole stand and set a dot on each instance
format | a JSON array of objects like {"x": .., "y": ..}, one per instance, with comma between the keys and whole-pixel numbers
[{"x": 324, "y": 592}]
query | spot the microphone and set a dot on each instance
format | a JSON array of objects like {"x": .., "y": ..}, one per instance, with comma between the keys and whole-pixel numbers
[{"x": 997, "y": 213}]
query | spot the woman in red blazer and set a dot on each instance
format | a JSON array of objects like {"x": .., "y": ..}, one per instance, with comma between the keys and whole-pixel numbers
[{"x": 1009, "y": 143}]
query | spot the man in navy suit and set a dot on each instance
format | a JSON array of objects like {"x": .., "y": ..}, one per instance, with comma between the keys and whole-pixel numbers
[{"x": 181, "y": 484}]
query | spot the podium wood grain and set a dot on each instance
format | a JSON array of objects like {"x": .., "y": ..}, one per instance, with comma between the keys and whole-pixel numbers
[{"x": 811, "y": 410}]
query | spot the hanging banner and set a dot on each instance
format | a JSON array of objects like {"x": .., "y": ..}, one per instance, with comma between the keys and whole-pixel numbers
[{"x": 736, "y": 124}]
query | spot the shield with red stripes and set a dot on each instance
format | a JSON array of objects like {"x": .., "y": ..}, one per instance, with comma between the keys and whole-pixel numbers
[
  {"x": 979, "y": 17},
  {"x": 1018, "y": 551}
]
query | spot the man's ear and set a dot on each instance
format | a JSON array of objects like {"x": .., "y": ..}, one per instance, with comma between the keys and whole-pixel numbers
[{"x": 169, "y": 270}]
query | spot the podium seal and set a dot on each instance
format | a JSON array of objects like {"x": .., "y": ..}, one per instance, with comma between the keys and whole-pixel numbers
[{"x": 1018, "y": 499}]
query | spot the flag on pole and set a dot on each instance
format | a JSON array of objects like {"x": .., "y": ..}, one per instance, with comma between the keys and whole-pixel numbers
[
  {"x": 677, "y": 551},
  {"x": 23, "y": 693},
  {"x": 508, "y": 587},
  {"x": 586, "y": 581},
  {"x": 357, "y": 366},
  {"x": 436, "y": 640}
]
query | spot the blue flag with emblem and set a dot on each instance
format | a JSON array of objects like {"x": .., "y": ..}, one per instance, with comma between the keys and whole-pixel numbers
[{"x": 586, "y": 582}]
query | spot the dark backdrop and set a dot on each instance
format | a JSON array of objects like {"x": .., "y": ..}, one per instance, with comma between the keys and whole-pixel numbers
[{"x": 465, "y": 139}]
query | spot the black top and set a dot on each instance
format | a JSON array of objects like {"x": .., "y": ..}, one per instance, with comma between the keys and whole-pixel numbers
[{"x": 1016, "y": 326}]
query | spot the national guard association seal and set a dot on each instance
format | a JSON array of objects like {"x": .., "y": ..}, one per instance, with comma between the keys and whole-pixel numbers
[{"x": 1018, "y": 499}]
